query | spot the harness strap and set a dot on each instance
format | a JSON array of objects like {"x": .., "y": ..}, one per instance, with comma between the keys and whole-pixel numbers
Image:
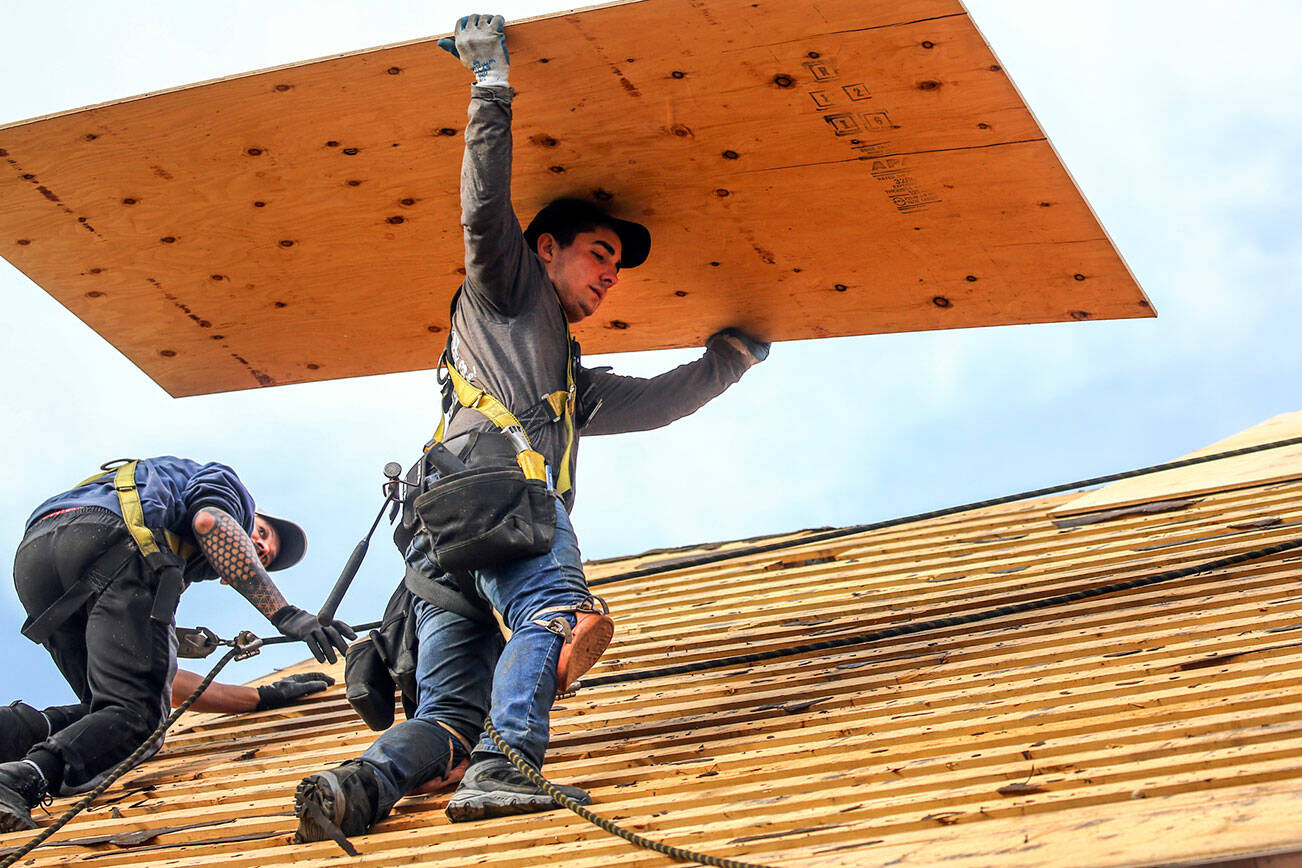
[
  {"x": 561, "y": 403},
  {"x": 462, "y": 600},
  {"x": 133, "y": 514},
  {"x": 168, "y": 594}
]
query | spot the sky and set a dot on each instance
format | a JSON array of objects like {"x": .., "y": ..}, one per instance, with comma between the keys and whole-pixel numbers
[{"x": 1181, "y": 122}]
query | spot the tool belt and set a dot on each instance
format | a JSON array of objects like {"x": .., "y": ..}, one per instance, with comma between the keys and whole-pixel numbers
[
  {"x": 486, "y": 515},
  {"x": 496, "y": 503},
  {"x": 382, "y": 662}
]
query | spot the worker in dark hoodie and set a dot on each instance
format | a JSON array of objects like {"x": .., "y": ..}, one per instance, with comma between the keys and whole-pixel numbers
[{"x": 100, "y": 571}]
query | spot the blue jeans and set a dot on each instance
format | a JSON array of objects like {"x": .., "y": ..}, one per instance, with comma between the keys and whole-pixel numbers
[{"x": 464, "y": 671}]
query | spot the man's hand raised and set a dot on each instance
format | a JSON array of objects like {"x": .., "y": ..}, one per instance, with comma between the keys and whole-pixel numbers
[{"x": 479, "y": 42}]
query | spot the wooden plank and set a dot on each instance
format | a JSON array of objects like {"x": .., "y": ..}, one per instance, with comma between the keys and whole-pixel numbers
[
  {"x": 301, "y": 223},
  {"x": 1246, "y": 471},
  {"x": 1159, "y": 726}
]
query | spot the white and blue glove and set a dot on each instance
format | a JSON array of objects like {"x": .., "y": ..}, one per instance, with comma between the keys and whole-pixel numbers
[{"x": 479, "y": 42}]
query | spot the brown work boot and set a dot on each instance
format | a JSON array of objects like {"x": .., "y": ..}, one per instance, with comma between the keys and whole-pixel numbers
[{"x": 584, "y": 646}]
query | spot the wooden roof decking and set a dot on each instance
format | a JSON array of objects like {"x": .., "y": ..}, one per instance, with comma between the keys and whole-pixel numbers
[
  {"x": 849, "y": 167},
  {"x": 1162, "y": 725}
]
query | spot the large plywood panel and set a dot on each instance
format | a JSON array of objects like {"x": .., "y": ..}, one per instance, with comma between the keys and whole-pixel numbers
[{"x": 862, "y": 167}]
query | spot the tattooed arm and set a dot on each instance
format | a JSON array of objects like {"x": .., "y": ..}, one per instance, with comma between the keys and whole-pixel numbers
[
  {"x": 234, "y": 556},
  {"x": 231, "y": 552}
]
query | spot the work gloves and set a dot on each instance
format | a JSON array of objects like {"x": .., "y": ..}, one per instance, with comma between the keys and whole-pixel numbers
[
  {"x": 322, "y": 641},
  {"x": 752, "y": 351},
  {"x": 479, "y": 42},
  {"x": 291, "y": 689}
]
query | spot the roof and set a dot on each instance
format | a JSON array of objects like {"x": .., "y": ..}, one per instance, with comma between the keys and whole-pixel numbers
[
  {"x": 1153, "y": 726},
  {"x": 849, "y": 167}
]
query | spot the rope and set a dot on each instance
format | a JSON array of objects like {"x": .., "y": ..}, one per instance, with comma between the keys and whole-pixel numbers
[
  {"x": 601, "y": 822},
  {"x": 121, "y": 768},
  {"x": 942, "y": 623},
  {"x": 130, "y": 762},
  {"x": 705, "y": 560}
]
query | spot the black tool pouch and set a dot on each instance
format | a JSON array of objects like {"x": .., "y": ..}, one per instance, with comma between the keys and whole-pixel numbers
[
  {"x": 383, "y": 662},
  {"x": 369, "y": 687},
  {"x": 487, "y": 516}
]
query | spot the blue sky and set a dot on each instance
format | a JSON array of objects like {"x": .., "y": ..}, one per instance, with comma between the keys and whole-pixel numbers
[{"x": 1180, "y": 122}]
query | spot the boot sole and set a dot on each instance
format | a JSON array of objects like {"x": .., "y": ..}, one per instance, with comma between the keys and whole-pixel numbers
[
  {"x": 482, "y": 806},
  {"x": 592, "y": 636},
  {"x": 323, "y": 790},
  {"x": 12, "y": 822}
]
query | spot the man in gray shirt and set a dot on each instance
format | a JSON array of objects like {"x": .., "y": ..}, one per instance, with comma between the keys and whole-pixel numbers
[{"x": 510, "y": 337}]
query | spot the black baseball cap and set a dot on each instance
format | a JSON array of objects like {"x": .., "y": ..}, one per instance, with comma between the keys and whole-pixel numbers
[
  {"x": 293, "y": 542},
  {"x": 561, "y": 214}
]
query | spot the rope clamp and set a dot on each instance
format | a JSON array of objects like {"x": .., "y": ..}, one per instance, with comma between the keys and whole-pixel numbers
[{"x": 247, "y": 645}]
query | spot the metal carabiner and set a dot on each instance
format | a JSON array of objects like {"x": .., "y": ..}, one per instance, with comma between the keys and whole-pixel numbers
[{"x": 247, "y": 644}]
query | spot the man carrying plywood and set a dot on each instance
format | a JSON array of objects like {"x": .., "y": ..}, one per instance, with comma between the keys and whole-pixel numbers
[{"x": 517, "y": 395}]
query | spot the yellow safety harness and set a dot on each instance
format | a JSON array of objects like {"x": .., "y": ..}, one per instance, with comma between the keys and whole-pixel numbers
[
  {"x": 170, "y": 582},
  {"x": 164, "y": 564},
  {"x": 479, "y": 399},
  {"x": 133, "y": 511}
]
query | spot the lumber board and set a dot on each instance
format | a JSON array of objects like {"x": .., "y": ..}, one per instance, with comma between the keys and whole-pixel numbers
[
  {"x": 1245, "y": 471},
  {"x": 1157, "y": 726},
  {"x": 859, "y": 167}
]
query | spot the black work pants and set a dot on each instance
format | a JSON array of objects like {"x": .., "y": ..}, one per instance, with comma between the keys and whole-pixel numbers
[{"x": 116, "y": 658}]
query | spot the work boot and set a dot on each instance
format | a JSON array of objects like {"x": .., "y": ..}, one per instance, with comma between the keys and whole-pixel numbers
[
  {"x": 348, "y": 797},
  {"x": 22, "y": 787},
  {"x": 584, "y": 643},
  {"x": 493, "y": 787}
]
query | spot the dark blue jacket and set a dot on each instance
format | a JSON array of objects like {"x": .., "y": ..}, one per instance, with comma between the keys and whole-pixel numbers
[{"x": 172, "y": 490}]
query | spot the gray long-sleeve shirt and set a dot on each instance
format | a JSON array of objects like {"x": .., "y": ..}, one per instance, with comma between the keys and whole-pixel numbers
[{"x": 509, "y": 333}]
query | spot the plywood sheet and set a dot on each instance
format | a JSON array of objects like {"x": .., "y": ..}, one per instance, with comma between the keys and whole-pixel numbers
[
  {"x": 1245, "y": 471},
  {"x": 862, "y": 166}
]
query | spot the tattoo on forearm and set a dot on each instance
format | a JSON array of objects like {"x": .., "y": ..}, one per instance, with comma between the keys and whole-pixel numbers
[{"x": 231, "y": 553}]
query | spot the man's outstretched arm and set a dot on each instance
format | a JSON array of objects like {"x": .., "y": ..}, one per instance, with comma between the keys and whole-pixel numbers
[
  {"x": 230, "y": 551},
  {"x": 617, "y": 405},
  {"x": 235, "y": 698}
]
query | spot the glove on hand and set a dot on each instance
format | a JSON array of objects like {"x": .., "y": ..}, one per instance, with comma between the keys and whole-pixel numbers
[
  {"x": 291, "y": 689},
  {"x": 752, "y": 350},
  {"x": 295, "y": 623},
  {"x": 479, "y": 42}
]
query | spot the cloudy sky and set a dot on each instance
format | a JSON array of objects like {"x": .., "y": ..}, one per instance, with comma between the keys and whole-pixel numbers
[{"x": 1181, "y": 123}]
